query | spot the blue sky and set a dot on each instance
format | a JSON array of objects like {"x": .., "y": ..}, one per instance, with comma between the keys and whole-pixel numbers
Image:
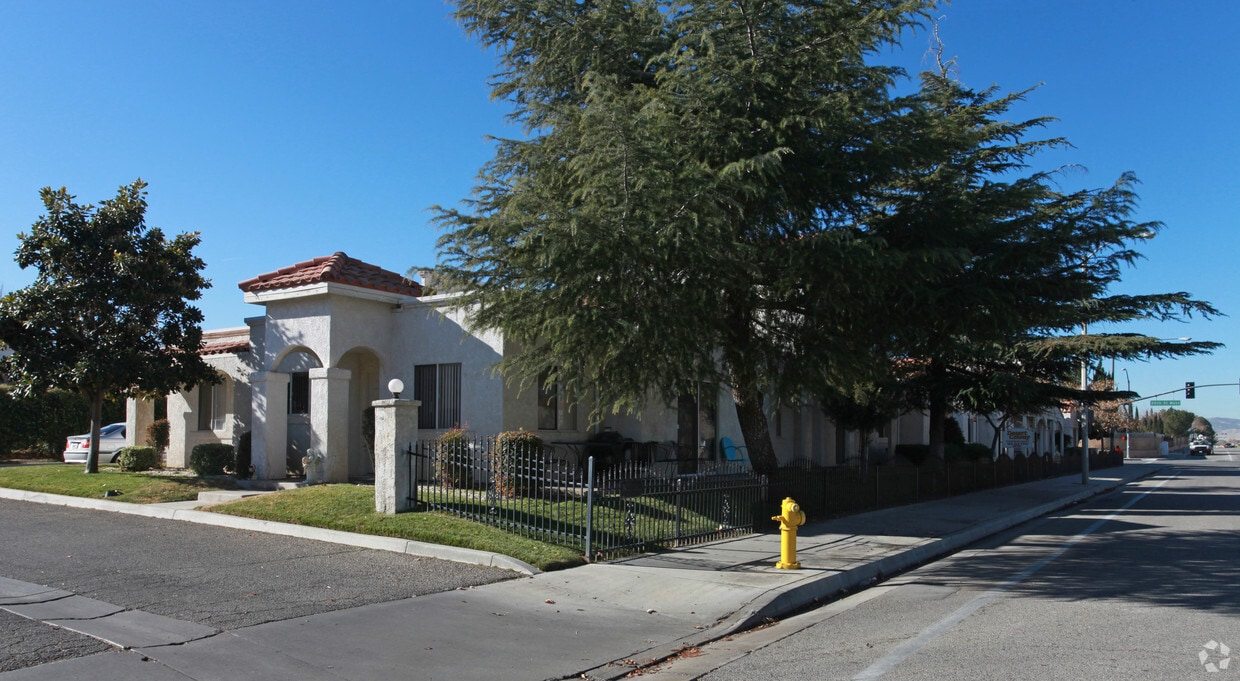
[{"x": 287, "y": 130}]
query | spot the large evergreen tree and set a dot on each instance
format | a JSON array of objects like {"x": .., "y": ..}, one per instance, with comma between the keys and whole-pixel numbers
[
  {"x": 685, "y": 206},
  {"x": 108, "y": 312},
  {"x": 1022, "y": 268}
]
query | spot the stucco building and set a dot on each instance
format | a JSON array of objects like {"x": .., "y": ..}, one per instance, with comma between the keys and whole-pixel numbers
[{"x": 335, "y": 330}]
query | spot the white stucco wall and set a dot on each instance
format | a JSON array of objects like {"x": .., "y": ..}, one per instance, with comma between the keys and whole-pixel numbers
[
  {"x": 183, "y": 432},
  {"x": 430, "y": 332}
]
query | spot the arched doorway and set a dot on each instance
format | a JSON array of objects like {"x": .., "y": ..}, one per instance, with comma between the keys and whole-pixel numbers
[
  {"x": 364, "y": 386},
  {"x": 297, "y": 364}
]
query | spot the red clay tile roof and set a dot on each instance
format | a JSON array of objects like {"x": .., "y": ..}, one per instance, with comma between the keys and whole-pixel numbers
[
  {"x": 226, "y": 341},
  {"x": 225, "y": 348},
  {"x": 337, "y": 268}
]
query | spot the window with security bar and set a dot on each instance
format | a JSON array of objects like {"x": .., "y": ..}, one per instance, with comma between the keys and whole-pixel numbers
[{"x": 438, "y": 388}]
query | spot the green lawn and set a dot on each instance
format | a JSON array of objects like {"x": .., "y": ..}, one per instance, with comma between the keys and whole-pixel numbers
[
  {"x": 351, "y": 508},
  {"x": 137, "y": 488}
]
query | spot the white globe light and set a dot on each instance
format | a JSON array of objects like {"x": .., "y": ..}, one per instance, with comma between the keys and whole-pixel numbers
[{"x": 396, "y": 386}]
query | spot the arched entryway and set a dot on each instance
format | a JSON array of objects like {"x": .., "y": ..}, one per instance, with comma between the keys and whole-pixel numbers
[
  {"x": 364, "y": 388},
  {"x": 298, "y": 404}
]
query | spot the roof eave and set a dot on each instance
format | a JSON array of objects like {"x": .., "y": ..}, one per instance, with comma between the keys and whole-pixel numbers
[{"x": 327, "y": 288}]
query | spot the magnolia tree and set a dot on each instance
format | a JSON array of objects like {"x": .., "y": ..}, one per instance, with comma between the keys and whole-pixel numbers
[{"x": 109, "y": 311}]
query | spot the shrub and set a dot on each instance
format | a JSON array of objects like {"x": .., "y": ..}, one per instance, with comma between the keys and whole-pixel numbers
[
  {"x": 517, "y": 463},
  {"x": 211, "y": 458},
  {"x": 967, "y": 453},
  {"x": 138, "y": 458},
  {"x": 952, "y": 435},
  {"x": 38, "y": 422},
  {"x": 157, "y": 435},
  {"x": 916, "y": 454},
  {"x": 242, "y": 467},
  {"x": 454, "y": 465}
]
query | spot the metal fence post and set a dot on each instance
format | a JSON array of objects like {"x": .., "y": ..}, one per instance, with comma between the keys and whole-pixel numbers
[
  {"x": 680, "y": 510},
  {"x": 589, "y": 508},
  {"x": 413, "y": 475}
]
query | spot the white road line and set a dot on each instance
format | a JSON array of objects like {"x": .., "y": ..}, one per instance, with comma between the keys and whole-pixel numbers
[{"x": 910, "y": 647}]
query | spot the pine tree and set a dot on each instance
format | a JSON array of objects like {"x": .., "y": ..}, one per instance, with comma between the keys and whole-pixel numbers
[
  {"x": 684, "y": 206},
  {"x": 1020, "y": 266}
]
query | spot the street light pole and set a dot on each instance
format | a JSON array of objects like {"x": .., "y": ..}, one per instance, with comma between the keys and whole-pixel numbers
[{"x": 1085, "y": 415}]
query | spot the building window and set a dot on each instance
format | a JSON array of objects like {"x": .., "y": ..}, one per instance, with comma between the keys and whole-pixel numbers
[
  {"x": 299, "y": 392},
  {"x": 548, "y": 402},
  {"x": 212, "y": 408},
  {"x": 438, "y": 388}
]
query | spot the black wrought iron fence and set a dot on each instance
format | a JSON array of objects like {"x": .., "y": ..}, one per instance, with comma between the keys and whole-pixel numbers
[
  {"x": 825, "y": 492},
  {"x": 604, "y": 512},
  {"x": 608, "y": 511}
]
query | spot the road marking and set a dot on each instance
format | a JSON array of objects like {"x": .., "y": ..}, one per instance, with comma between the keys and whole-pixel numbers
[{"x": 909, "y": 648}]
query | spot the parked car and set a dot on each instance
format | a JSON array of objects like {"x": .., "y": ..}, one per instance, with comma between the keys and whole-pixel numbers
[{"x": 111, "y": 440}]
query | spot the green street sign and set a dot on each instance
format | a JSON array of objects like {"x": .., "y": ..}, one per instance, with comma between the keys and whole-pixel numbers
[{"x": 1164, "y": 403}]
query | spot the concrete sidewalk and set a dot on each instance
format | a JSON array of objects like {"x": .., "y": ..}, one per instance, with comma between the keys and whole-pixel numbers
[{"x": 596, "y": 621}]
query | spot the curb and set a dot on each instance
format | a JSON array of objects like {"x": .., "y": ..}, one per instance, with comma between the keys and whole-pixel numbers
[
  {"x": 797, "y": 597},
  {"x": 407, "y": 546},
  {"x": 789, "y": 600}
]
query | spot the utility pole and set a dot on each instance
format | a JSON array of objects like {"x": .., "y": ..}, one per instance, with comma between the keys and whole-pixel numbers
[{"x": 1086, "y": 418}]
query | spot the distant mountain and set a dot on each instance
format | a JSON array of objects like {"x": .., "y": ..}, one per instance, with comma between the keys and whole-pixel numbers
[{"x": 1220, "y": 424}]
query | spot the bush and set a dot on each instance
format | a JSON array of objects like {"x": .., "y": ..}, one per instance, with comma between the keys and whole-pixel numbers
[
  {"x": 157, "y": 435},
  {"x": 915, "y": 454},
  {"x": 454, "y": 465},
  {"x": 517, "y": 463},
  {"x": 242, "y": 467},
  {"x": 952, "y": 435},
  {"x": 967, "y": 453},
  {"x": 137, "y": 459},
  {"x": 211, "y": 458},
  {"x": 38, "y": 423}
]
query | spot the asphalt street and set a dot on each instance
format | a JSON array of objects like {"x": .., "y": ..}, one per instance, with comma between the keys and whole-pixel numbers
[
  {"x": 1135, "y": 584},
  {"x": 218, "y": 577}
]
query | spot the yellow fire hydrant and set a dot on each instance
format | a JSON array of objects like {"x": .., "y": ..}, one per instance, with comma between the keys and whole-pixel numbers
[{"x": 790, "y": 519}]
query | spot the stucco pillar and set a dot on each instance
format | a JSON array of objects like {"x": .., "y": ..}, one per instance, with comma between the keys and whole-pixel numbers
[
  {"x": 269, "y": 436},
  {"x": 329, "y": 421},
  {"x": 396, "y": 430},
  {"x": 139, "y": 415}
]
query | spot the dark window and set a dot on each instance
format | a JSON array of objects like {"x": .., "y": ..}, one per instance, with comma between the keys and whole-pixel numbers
[
  {"x": 438, "y": 388},
  {"x": 299, "y": 393},
  {"x": 211, "y": 407}
]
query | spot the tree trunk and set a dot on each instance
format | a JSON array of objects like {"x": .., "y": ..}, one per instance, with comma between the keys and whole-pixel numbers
[
  {"x": 96, "y": 415},
  {"x": 686, "y": 433},
  {"x": 753, "y": 421}
]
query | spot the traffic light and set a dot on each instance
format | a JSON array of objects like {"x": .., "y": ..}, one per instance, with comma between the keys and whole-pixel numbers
[{"x": 1190, "y": 390}]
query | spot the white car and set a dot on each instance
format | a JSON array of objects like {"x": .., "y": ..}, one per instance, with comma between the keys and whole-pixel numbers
[
  {"x": 111, "y": 440},
  {"x": 1201, "y": 449}
]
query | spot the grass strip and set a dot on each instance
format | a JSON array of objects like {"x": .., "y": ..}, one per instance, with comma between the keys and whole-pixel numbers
[
  {"x": 136, "y": 488},
  {"x": 351, "y": 508}
]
